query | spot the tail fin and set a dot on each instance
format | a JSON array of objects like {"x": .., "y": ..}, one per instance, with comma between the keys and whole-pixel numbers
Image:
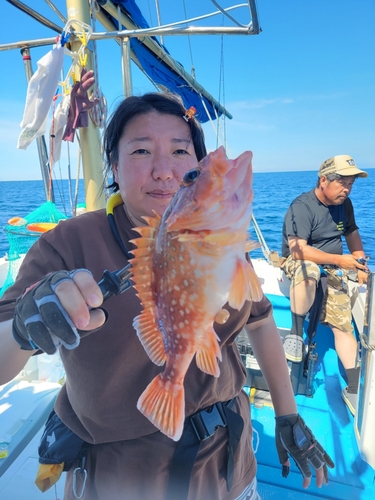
[{"x": 163, "y": 403}]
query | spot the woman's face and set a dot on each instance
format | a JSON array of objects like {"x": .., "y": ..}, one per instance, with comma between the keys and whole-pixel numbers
[{"x": 155, "y": 151}]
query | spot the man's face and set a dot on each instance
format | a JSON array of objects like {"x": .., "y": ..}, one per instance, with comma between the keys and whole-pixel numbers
[{"x": 335, "y": 192}]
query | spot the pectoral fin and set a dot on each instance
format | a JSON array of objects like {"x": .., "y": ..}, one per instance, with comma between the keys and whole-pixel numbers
[
  {"x": 251, "y": 245},
  {"x": 245, "y": 285}
]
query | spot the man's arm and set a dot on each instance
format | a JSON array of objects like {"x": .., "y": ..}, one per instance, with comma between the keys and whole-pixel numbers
[
  {"x": 300, "y": 250},
  {"x": 355, "y": 245}
]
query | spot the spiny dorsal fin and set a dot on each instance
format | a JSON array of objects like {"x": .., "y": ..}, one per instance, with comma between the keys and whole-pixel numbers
[
  {"x": 152, "y": 221},
  {"x": 145, "y": 324}
]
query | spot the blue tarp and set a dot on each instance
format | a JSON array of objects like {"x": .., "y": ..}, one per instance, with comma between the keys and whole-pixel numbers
[{"x": 158, "y": 71}]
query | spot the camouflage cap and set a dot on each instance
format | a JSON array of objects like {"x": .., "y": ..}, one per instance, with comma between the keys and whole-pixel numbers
[{"x": 342, "y": 165}]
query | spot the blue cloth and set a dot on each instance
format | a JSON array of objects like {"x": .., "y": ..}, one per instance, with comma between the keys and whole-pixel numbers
[{"x": 159, "y": 72}]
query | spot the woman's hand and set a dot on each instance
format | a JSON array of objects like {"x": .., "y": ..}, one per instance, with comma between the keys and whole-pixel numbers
[
  {"x": 51, "y": 311},
  {"x": 294, "y": 438}
]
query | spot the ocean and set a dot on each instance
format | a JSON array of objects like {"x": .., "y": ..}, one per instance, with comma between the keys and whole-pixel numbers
[{"x": 273, "y": 192}]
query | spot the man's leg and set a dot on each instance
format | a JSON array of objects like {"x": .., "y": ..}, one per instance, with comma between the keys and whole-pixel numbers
[
  {"x": 337, "y": 314},
  {"x": 304, "y": 276},
  {"x": 346, "y": 348},
  {"x": 302, "y": 297}
]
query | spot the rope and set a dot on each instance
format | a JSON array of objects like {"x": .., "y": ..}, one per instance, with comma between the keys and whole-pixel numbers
[
  {"x": 77, "y": 182},
  {"x": 222, "y": 80},
  {"x": 98, "y": 113},
  {"x": 191, "y": 52},
  {"x": 262, "y": 241}
]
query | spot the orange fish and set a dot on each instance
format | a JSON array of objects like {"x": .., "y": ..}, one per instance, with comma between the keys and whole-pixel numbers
[{"x": 187, "y": 266}]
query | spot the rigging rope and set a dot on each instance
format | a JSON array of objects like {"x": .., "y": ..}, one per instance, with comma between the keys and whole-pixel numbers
[
  {"x": 262, "y": 241},
  {"x": 98, "y": 113},
  {"x": 191, "y": 52}
]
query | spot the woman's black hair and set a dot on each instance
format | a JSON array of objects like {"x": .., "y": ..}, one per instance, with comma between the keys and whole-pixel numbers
[{"x": 165, "y": 103}]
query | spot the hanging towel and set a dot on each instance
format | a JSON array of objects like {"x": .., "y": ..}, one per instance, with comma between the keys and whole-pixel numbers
[
  {"x": 40, "y": 92},
  {"x": 60, "y": 118}
]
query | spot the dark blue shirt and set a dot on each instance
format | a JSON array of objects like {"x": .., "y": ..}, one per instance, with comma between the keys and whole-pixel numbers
[{"x": 320, "y": 225}]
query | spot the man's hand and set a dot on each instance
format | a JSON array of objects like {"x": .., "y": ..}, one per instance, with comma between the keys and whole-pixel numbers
[
  {"x": 362, "y": 277},
  {"x": 294, "y": 438},
  {"x": 50, "y": 312},
  {"x": 348, "y": 261}
]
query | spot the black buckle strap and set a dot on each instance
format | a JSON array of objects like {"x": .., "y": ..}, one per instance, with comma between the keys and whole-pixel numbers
[
  {"x": 205, "y": 422},
  {"x": 199, "y": 427}
]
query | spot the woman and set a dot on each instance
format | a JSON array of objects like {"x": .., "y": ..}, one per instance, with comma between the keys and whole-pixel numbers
[{"x": 149, "y": 146}]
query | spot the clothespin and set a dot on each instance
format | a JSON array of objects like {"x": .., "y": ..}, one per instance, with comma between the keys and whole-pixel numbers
[
  {"x": 189, "y": 113},
  {"x": 57, "y": 95},
  {"x": 82, "y": 37},
  {"x": 79, "y": 58},
  {"x": 64, "y": 38},
  {"x": 83, "y": 60},
  {"x": 66, "y": 87}
]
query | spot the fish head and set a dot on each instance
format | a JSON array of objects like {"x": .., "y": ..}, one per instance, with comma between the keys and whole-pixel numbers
[{"x": 215, "y": 195}]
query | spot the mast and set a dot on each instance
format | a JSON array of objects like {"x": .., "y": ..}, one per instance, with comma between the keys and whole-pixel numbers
[{"x": 90, "y": 141}]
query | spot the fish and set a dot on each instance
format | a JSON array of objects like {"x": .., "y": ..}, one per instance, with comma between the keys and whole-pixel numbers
[{"x": 187, "y": 265}]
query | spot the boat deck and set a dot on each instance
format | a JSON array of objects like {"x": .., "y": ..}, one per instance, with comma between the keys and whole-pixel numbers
[
  {"x": 325, "y": 413},
  {"x": 332, "y": 424}
]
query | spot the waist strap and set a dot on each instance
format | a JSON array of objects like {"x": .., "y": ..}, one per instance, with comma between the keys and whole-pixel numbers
[{"x": 199, "y": 427}]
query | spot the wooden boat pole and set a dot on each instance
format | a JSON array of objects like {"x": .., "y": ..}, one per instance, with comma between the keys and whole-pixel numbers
[{"x": 89, "y": 137}]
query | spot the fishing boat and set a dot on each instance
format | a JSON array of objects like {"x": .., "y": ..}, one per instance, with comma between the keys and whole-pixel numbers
[{"x": 26, "y": 401}]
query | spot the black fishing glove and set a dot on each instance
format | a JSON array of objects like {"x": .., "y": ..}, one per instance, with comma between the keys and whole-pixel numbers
[
  {"x": 294, "y": 438},
  {"x": 40, "y": 321}
]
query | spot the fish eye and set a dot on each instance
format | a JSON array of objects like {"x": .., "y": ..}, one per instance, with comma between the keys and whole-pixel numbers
[{"x": 191, "y": 176}]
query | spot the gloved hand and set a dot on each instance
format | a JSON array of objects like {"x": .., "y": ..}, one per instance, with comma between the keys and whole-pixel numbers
[
  {"x": 294, "y": 438},
  {"x": 40, "y": 321}
]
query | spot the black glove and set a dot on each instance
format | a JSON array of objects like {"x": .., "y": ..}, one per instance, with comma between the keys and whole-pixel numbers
[
  {"x": 40, "y": 321},
  {"x": 293, "y": 437}
]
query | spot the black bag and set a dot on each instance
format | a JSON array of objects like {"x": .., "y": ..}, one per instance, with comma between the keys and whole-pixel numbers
[{"x": 59, "y": 444}]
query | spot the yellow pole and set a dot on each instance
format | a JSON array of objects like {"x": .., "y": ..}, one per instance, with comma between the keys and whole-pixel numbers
[{"x": 89, "y": 137}]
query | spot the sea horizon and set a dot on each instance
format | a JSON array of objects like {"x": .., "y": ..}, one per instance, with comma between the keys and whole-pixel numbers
[
  {"x": 273, "y": 193},
  {"x": 254, "y": 172}
]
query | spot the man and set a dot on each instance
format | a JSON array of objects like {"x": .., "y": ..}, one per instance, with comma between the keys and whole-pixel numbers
[{"x": 313, "y": 226}]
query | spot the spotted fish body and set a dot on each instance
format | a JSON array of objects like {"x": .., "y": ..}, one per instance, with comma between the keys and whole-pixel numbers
[{"x": 187, "y": 266}]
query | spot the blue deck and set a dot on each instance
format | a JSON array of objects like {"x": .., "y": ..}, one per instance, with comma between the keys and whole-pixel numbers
[{"x": 328, "y": 417}]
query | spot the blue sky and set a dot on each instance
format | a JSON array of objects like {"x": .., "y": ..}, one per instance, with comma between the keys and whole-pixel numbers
[{"x": 299, "y": 92}]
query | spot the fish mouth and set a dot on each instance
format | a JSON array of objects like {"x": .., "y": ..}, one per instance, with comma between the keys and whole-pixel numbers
[{"x": 220, "y": 197}]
